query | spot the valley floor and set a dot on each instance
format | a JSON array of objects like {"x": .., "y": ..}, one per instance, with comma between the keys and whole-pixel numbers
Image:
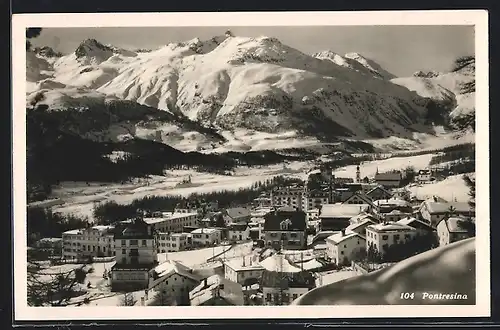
[{"x": 79, "y": 198}]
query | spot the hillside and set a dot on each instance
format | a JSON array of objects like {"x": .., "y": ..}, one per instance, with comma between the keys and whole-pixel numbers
[
  {"x": 454, "y": 89},
  {"x": 240, "y": 87}
]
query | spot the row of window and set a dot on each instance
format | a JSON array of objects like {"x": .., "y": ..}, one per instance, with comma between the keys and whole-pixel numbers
[{"x": 134, "y": 242}]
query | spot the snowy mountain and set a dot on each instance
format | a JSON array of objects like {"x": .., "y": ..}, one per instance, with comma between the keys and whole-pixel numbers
[
  {"x": 455, "y": 89},
  {"x": 244, "y": 88}
]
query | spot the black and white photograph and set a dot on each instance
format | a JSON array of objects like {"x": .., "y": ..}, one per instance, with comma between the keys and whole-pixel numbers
[{"x": 185, "y": 160}]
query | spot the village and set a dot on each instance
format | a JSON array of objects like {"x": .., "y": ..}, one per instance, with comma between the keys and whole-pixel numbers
[{"x": 288, "y": 241}]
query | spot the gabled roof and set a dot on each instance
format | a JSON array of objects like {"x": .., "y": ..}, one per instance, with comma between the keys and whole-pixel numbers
[
  {"x": 353, "y": 226},
  {"x": 171, "y": 267},
  {"x": 339, "y": 237},
  {"x": 217, "y": 286},
  {"x": 412, "y": 222},
  {"x": 279, "y": 263},
  {"x": 273, "y": 220},
  {"x": 361, "y": 196},
  {"x": 381, "y": 188}
]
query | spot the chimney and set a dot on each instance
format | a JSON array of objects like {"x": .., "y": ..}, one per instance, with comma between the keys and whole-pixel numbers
[
  {"x": 342, "y": 232},
  {"x": 205, "y": 282}
]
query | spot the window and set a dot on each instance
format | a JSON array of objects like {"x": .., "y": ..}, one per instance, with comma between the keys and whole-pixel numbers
[
  {"x": 295, "y": 296},
  {"x": 342, "y": 252},
  {"x": 124, "y": 242},
  {"x": 134, "y": 242},
  {"x": 385, "y": 237},
  {"x": 144, "y": 243},
  {"x": 345, "y": 245},
  {"x": 268, "y": 297},
  {"x": 124, "y": 251},
  {"x": 396, "y": 237}
]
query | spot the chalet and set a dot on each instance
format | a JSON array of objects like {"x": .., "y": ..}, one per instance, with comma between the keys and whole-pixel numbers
[
  {"x": 421, "y": 227},
  {"x": 424, "y": 176},
  {"x": 342, "y": 246},
  {"x": 283, "y": 281},
  {"x": 337, "y": 216},
  {"x": 383, "y": 235},
  {"x": 174, "y": 279},
  {"x": 453, "y": 229},
  {"x": 285, "y": 227},
  {"x": 389, "y": 179},
  {"x": 242, "y": 270},
  {"x": 236, "y": 215},
  {"x": 238, "y": 232},
  {"x": 379, "y": 192},
  {"x": 433, "y": 211},
  {"x": 217, "y": 291}
]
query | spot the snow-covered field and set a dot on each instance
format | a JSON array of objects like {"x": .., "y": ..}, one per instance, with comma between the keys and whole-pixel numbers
[
  {"x": 452, "y": 188},
  {"x": 396, "y": 163},
  {"x": 424, "y": 141},
  {"x": 80, "y": 198}
]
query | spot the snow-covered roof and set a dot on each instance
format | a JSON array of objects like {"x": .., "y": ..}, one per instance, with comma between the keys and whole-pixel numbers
[
  {"x": 244, "y": 263},
  {"x": 392, "y": 201},
  {"x": 342, "y": 210},
  {"x": 168, "y": 216},
  {"x": 390, "y": 226},
  {"x": 205, "y": 231},
  {"x": 361, "y": 218},
  {"x": 439, "y": 207},
  {"x": 279, "y": 263},
  {"x": 170, "y": 267},
  {"x": 310, "y": 264},
  {"x": 353, "y": 226},
  {"x": 237, "y": 212},
  {"x": 214, "y": 286},
  {"x": 339, "y": 237}
]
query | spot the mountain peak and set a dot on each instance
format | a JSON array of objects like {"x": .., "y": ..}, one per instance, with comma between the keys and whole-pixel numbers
[
  {"x": 370, "y": 65},
  {"x": 91, "y": 51}
]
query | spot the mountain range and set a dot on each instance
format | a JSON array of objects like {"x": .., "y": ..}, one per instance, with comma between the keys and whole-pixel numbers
[{"x": 237, "y": 93}]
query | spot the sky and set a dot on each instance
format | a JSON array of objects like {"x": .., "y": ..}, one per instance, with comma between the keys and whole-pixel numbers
[{"x": 401, "y": 50}]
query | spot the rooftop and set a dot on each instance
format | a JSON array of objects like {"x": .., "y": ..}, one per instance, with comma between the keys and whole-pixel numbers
[
  {"x": 244, "y": 263},
  {"x": 440, "y": 207},
  {"x": 171, "y": 267},
  {"x": 342, "y": 210},
  {"x": 205, "y": 231},
  {"x": 339, "y": 237},
  {"x": 390, "y": 226},
  {"x": 392, "y": 202},
  {"x": 168, "y": 216},
  {"x": 217, "y": 286},
  {"x": 389, "y": 176},
  {"x": 238, "y": 212}
]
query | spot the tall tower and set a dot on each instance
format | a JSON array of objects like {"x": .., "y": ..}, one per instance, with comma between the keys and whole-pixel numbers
[{"x": 358, "y": 174}]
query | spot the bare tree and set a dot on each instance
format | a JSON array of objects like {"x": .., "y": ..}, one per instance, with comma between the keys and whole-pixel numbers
[
  {"x": 55, "y": 289},
  {"x": 161, "y": 298},
  {"x": 128, "y": 299}
]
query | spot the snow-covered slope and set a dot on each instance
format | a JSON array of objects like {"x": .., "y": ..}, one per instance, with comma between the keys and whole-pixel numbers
[
  {"x": 447, "y": 270},
  {"x": 355, "y": 62},
  {"x": 236, "y": 83},
  {"x": 456, "y": 88}
]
